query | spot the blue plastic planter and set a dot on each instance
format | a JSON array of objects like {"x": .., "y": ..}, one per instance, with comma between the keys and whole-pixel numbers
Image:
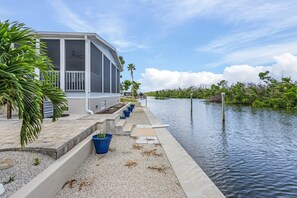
[
  {"x": 102, "y": 144},
  {"x": 126, "y": 113},
  {"x": 130, "y": 109}
]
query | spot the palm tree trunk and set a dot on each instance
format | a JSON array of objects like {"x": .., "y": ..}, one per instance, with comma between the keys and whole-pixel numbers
[
  {"x": 9, "y": 110},
  {"x": 132, "y": 86}
]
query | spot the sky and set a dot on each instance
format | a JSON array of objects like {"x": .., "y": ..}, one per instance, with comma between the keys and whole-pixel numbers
[{"x": 178, "y": 43}]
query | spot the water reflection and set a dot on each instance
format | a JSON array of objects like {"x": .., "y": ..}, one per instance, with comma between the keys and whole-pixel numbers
[{"x": 251, "y": 155}]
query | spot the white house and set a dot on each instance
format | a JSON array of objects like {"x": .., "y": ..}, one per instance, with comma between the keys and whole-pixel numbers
[{"x": 88, "y": 69}]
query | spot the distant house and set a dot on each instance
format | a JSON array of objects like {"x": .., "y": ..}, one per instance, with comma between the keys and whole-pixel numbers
[{"x": 87, "y": 69}]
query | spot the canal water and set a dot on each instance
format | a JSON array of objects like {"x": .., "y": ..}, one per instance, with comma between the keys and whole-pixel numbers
[{"x": 253, "y": 155}]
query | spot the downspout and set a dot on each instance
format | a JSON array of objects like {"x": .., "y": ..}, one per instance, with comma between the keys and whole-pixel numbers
[
  {"x": 87, "y": 104},
  {"x": 87, "y": 73}
]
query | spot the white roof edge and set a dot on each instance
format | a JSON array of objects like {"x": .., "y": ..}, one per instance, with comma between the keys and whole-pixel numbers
[{"x": 83, "y": 34}]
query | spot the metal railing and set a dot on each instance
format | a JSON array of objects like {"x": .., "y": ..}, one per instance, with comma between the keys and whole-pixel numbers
[
  {"x": 75, "y": 81},
  {"x": 54, "y": 78}
]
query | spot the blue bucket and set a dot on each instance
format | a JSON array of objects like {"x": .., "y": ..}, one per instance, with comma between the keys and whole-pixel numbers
[
  {"x": 101, "y": 144},
  {"x": 132, "y": 105}
]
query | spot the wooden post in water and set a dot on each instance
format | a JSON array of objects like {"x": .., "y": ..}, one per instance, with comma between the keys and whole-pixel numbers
[
  {"x": 191, "y": 94},
  {"x": 223, "y": 107}
]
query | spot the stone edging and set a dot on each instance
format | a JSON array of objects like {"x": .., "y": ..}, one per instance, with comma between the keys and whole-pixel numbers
[
  {"x": 192, "y": 178},
  {"x": 48, "y": 183}
]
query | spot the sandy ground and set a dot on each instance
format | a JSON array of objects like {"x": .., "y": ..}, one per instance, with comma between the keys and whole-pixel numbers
[
  {"x": 23, "y": 170},
  {"x": 127, "y": 170}
]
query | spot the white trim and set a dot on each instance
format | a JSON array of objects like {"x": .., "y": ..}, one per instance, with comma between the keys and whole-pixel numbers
[
  {"x": 102, "y": 72},
  {"x": 116, "y": 79},
  {"x": 87, "y": 74},
  {"x": 62, "y": 64},
  {"x": 110, "y": 74}
]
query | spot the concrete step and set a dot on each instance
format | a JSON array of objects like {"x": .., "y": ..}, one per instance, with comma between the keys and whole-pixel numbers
[
  {"x": 119, "y": 126},
  {"x": 128, "y": 128},
  {"x": 121, "y": 123}
]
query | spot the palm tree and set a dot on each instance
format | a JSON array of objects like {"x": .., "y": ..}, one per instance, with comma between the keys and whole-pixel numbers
[
  {"x": 131, "y": 68},
  {"x": 20, "y": 85}
]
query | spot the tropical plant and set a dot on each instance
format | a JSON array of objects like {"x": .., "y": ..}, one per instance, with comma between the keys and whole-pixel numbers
[
  {"x": 126, "y": 85},
  {"x": 122, "y": 61},
  {"x": 21, "y": 54},
  {"x": 135, "y": 88},
  {"x": 131, "y": 68},
  {"x": 270, "y": 93}
]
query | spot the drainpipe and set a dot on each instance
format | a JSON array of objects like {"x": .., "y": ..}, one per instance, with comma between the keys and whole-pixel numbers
[
  {"x": 87, "y": 104},
  {"x": 87, "y": 73}
]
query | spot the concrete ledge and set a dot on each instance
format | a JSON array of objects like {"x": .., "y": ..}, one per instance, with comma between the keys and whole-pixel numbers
[
  {"x": 191, "y": 177},
  {"x": 50, "y": 181}
]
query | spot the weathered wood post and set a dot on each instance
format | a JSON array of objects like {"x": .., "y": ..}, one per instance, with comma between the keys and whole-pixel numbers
[
  {"x": 191, "y": 95},
  {"x": 223, "y": 107}
]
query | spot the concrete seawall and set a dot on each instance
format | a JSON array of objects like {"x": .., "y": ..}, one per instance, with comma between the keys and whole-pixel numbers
[{"x": 191, "y": 177}]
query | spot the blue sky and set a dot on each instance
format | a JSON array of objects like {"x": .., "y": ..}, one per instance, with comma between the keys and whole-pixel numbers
[{"x": 178, "y": 43}]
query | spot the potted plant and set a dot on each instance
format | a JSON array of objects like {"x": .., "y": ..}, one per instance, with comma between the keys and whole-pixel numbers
[
  {"x": 101, "y": 142},
  {"x": 126, "y": 113}
]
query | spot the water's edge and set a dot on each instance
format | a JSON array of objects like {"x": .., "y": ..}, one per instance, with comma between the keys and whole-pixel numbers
[{"x": 192, "y": 178}]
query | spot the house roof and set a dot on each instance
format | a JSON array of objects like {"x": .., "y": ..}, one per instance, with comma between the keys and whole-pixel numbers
[{"x": 82, "y": 35}]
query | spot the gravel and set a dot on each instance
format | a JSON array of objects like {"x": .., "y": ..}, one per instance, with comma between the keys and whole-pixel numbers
[
  {"x": 125, "y": 171},
  {"x": 23, "y": 170}
]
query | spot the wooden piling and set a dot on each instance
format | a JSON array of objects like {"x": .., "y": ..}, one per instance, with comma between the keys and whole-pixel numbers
[
  {"x": 191, "y": 95},
  {"x": 223, "y": 107}
]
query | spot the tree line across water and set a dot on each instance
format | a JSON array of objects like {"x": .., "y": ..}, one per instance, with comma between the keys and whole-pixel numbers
[{"x": 269, "y": 93}]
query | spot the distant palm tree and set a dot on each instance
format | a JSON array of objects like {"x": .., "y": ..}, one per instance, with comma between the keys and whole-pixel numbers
[
  {"x": 20, "y": 85},
  {"x": 131, "y": 68}
]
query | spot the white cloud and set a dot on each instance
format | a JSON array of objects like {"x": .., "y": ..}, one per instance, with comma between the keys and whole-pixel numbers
[
  {"x": 107, "y": 25},
  {"x": 155, "y": 79},
  {"x": 69, "y": 18}
]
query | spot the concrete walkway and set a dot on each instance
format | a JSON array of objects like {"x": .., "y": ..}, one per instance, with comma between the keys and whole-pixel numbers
[{"x": 55, "y": 139}]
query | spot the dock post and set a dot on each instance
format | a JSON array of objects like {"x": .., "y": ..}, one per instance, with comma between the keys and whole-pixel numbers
[
  {"x": 145, "y": 101},
  {"x": 223, "y": 107},
  {"x": 191, "y": 94}
]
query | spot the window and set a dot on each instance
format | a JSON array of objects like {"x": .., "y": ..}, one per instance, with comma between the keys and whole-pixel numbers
[
  {"x": 75, "y": 55},
  {"x": 53, "y": 51},
  {"x": 118, "y": 80},
  {"x": 114, "y": 78},
  {"x": 96, "y": 69},
  {"x": 106, "y": 75}
]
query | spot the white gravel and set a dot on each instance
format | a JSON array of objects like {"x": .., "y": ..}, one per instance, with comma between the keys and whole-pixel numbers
[
  {"x": 108, "y": 176},
  {"x": 23, "y": 170}
]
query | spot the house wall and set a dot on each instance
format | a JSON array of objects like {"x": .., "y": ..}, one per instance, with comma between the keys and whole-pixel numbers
[
  {"x": 105, "y": 51},
  {"x": 100, "y": 67},
  {"x": 77, "y": 105}
]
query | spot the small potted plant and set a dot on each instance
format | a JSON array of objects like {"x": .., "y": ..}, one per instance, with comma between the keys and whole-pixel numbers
[{"x": 101, "y": 142}]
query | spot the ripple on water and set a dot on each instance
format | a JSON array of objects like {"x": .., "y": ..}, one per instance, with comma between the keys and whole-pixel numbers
[{"x": 253, "y": 155}]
